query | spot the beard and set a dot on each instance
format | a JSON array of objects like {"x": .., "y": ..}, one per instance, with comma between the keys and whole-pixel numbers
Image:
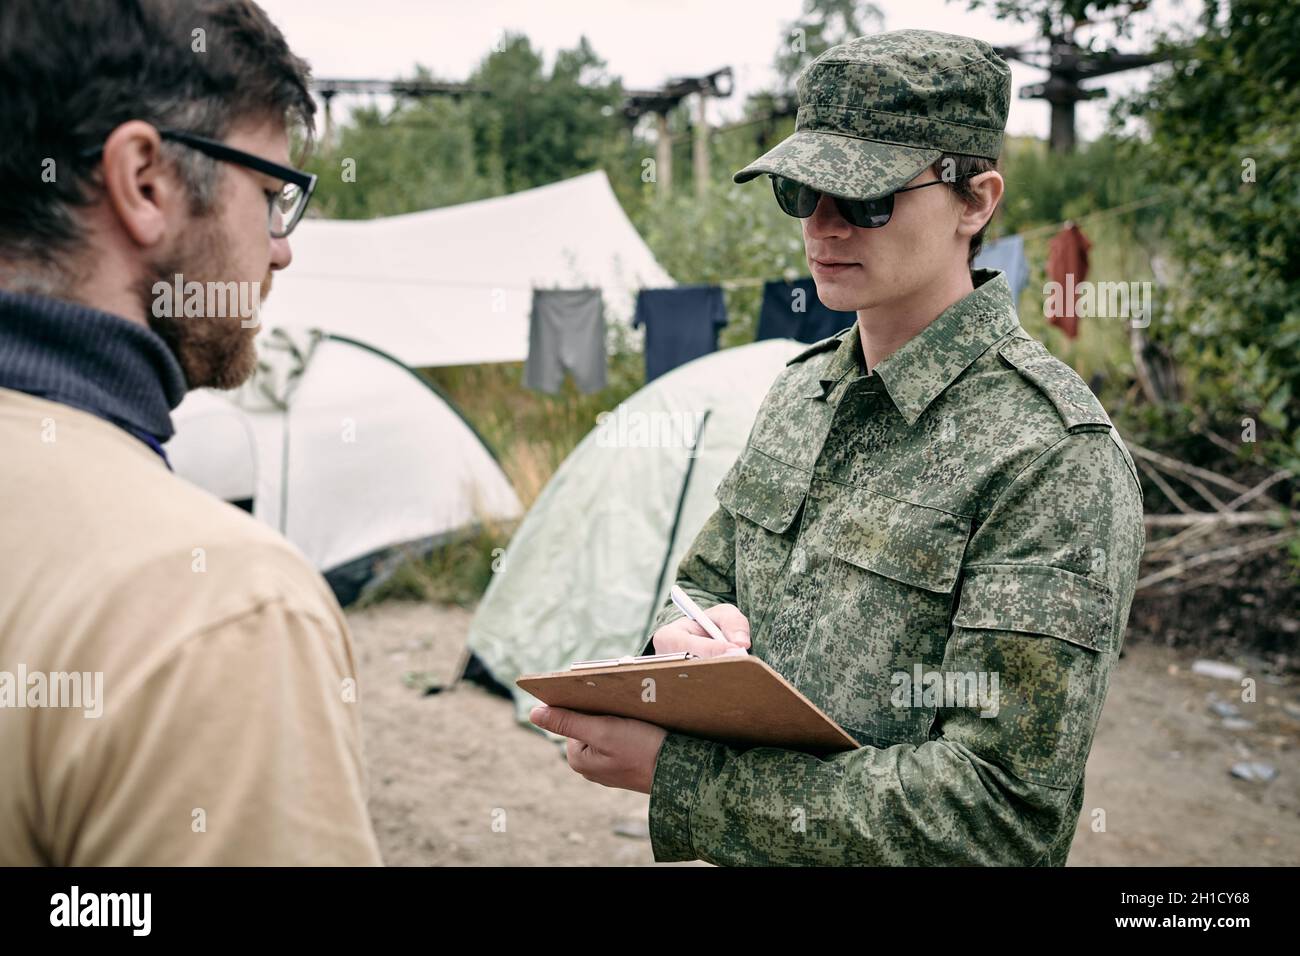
[{"x": 213, "y": 351}]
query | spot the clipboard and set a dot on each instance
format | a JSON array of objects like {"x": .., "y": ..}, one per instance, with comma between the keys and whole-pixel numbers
[{"x": 735, "y": 700}]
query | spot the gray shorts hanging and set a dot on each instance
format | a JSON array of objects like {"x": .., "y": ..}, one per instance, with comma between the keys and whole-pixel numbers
[{"x": 566, "y": 332}]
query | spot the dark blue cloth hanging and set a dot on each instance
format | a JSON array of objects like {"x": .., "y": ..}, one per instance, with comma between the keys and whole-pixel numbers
[
  {"x": 791, "y": 310},
  {"x": 681, "y": 324}
]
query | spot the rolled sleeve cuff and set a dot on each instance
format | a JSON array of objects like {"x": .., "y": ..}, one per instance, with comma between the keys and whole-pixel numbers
[
  {"x": 673, "y": 794},
  {"x": 665, "y": 616}
]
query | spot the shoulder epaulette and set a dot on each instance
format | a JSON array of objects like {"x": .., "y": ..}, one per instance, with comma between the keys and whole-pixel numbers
[
  {"x": 1062, "y": 386},
  {"x": 825, "y": 345}
]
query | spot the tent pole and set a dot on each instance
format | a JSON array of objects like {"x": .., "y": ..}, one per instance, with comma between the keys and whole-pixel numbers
[{"x": 672, "y": 534}]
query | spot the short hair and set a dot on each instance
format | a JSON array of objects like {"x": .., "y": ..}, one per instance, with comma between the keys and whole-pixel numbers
[
  {"x": 963, "y": 167},
  {"x": 74, "y": 70}
]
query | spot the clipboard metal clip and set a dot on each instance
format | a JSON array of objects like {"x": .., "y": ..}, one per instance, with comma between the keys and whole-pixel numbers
[{"x": 647, "y": 659}]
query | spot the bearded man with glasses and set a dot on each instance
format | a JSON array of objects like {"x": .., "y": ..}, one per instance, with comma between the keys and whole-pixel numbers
[
  {"x": 216, "y": 721},
  {"x": 933, "y": 531}
]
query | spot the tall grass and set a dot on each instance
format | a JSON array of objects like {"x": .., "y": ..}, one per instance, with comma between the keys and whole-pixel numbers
[{"x": 531, "y": 432}]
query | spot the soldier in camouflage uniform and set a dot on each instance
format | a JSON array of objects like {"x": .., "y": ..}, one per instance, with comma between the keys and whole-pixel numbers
[{"x": 927, "y": 500}]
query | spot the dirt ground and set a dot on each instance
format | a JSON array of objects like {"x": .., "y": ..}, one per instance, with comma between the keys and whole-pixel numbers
[{"x": 455, "y": 780}]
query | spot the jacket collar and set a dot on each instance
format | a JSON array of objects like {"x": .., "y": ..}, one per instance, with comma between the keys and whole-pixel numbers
[
  {"x": 930, "y": 361},
  {"x": 926, "y": 364},
  {"x": 64, "y": 352},
  {"x": 845, "y": 362}
]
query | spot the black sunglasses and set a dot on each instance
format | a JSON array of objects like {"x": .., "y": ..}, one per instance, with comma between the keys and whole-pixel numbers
[
  {"x": 284, "y": 208},
  {"x": 800, "y": 201}
]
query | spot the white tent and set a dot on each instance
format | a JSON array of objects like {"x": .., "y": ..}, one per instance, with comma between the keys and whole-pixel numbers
[
  {"x": 453, "y": 286},
  {"x": 595, "y": 556},
  {"x": 215, "y": 446},
  {"x": 344, "y": 450}
]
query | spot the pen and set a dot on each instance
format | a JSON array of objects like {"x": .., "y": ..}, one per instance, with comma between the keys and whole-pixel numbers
[{"x": 693, "y": 611}]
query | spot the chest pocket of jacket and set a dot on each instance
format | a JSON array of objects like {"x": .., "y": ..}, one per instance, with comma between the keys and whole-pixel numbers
[
  {"x": 885, "y": 611},
  {"x": 764, "y": 495}
]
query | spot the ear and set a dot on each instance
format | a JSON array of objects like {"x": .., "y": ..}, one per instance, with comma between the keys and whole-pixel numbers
[
  {"x": 141, "y": 187},
  {"x": 987, "y": 188}
]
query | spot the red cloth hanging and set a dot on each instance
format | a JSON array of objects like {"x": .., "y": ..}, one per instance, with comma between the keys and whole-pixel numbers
[{"x": 1067, "y": 265}]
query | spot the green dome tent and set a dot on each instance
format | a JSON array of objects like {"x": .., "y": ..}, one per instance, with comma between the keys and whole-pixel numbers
[{"x": 594, "y": 558}]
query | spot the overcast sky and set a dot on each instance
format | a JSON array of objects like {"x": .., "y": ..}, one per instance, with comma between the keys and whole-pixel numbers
[{"x": 645, "y": 42}]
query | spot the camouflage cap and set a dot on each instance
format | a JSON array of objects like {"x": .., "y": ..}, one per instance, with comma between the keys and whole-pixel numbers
[{"x": 876, "y": 111}]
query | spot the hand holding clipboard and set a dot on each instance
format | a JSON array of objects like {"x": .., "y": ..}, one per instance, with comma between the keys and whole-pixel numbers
[{"x": 731, "y": 696}]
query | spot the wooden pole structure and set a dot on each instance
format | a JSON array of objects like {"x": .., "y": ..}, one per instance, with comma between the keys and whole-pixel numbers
[
  {"x": 663, "y": 157},
  {"x": 701, "y": 151}
]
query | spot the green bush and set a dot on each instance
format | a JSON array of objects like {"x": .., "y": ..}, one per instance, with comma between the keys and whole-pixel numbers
[{"x": 1225, "y": 136}]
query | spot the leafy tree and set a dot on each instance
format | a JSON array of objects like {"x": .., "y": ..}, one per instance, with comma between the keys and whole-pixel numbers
[
  {"x": 417, "y": 155},
  {"x": 1060, "y": 18},
  {"x": 523, "y": 127},
  {"x": 1225, "y": 137},
  {"x": 543, "y": 128},
  {"x": 823, "y": 24}
]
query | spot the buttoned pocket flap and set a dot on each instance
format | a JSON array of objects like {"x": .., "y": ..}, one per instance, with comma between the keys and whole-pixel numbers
[
  {"x": 1036, "y": 599},
  {"x": 911, "y": 543},
  {"x": 764, "y": 489}
]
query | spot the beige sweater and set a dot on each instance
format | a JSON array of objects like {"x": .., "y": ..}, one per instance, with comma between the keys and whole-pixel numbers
[{"x": 228, "y": 729}]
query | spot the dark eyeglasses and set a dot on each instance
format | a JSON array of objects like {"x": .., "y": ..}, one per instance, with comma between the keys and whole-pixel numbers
[
  {"x": 284, "y": 208},
  {"x": 800, "y": 201}
]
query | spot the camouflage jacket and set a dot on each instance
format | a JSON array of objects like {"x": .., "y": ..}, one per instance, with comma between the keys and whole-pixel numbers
[{"x": 965, "y": 513}]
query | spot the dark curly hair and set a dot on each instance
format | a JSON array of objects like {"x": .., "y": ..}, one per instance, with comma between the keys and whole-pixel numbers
[{"x": 74, "y": 70}]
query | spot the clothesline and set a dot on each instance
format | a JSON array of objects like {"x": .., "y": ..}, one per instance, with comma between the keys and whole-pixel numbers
[
  {"x": 743, "y": 283},
  {"x": 682, "y": 323},
  {"x": 740, "y": 282},
  {"x": 1099, "y": 214},
  {"x": 731, "y": 283}
]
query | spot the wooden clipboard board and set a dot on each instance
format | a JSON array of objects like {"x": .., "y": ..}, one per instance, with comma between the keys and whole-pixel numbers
[{"x": 734, "y": 700}]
